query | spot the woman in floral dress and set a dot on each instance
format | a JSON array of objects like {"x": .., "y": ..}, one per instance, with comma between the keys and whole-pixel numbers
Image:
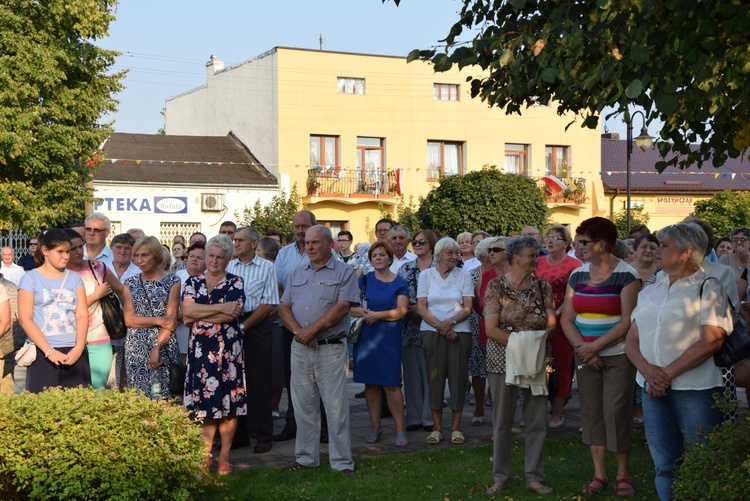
[{"x": 215, "y": 382}]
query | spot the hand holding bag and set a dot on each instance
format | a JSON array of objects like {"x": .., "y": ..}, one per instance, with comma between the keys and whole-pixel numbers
[
  {"x": 736, "y": 345},
  {"x": 114, "y": 320},
  {"x": 355, "y": 329}
]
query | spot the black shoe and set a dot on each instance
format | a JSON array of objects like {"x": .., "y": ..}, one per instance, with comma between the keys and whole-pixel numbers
[
  {"x": 414, "y": 427},
  {"x": 428, "y": 427},
  {"x": 324, "y": 437},
  {"x": 262, "y": 446},
  {"x": 286, "y": 434},
  {"x": 240, "y": 442},
  {"x": 361, "y": 394}
]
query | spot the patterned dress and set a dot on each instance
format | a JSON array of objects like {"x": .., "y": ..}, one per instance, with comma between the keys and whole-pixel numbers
[
  {"x": 139, "y": 342},
  {"x": 478, "y": 349},
  {"x": 215, "y": 383}
]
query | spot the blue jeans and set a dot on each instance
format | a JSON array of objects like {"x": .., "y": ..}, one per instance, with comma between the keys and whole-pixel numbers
[{"x": 674, "y": 422}]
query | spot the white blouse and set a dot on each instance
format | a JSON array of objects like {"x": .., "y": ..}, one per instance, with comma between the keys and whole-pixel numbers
[{"x": 445, "y": 297}]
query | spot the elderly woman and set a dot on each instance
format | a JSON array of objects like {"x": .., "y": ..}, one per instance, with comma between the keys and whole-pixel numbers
[
  {"x": 677, "y": 326},
  {"x": 519, "y": 315},
  {"x": 599, "y": 299},
  {"x": 215, "y": 382},
  {"x": 556, "y": 268},
  {"x": 739, "y": 259},
  {"x": 416, "y": 387},
  {"x": 644, "y": 261},
  {"x": 723, "y": 246},
  {"x": 444, "y": 297},
  {"x": 377, "y": 354},
  {"x": 469, "y": 261},
  {"x": 149, "y": 303}
]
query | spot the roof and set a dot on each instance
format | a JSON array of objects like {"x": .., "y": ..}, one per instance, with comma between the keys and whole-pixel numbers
[
  {"x": 202, "y": 160},
  {"x": 733, "y": 175}
]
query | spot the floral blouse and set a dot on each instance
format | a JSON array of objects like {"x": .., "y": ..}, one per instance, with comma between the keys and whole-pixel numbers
[{"x": 410, "y": 272}]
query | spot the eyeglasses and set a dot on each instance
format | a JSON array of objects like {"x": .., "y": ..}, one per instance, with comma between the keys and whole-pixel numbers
[
  {"x": 583, "y": 242},
  {"x": 94, "y": 230},
  {"x": 421, "y": 241},
  {"x": 740, "y": 240},
  {"x": 496, "y": 249},
  {"x": 553, "y": 238}
]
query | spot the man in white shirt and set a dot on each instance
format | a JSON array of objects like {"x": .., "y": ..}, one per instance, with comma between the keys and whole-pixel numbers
[
  {"x": 399, "y": 238},
  {"x": 96, "y": 229},
  {"x": 10, "y": 270}
]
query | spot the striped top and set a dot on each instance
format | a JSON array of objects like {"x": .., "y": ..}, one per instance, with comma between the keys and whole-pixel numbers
[
  {"x": 259, "y": 277},
  {"x": 598, "y": 306}
]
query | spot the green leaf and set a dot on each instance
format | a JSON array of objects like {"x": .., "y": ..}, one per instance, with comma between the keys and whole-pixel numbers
[
  {"x": 441, "y": 62},
  {"x": 549, "y": 75},
  {"x": 640, "y": 55},
  {"x": 413, "y": 55},
  {"x": 634, "y": 89},
  {"x": 517, "y": 4}
]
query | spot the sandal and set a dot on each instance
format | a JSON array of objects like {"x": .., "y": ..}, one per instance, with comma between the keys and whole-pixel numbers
[
  {"x": 374, "y": 436},
  {"x": 225, "y": 468},
  {"x": 292, "y": 467},
  {"x": 434, "y": 437},
  {"x": 627, "y": 488},
  {"x": 457, "y": 438},
  {"x": 596, "y": 486},
  {"x": 401, "y": 440}
]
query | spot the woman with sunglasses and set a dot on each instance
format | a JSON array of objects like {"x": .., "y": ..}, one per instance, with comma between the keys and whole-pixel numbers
[
  {"x": 599, "y": 299},
  {"x": 416, "y": 389},
  {"x": 556, "y": 268}
]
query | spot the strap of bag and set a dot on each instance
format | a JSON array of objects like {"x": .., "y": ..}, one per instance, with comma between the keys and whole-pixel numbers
[
  {"x": 57, "y": 299},
  {"x": 364, "y": 291},
  {"x": 729, "y": 299},
  {"x": 93, "y": 272},
  {"x": 148, "y": 297}
]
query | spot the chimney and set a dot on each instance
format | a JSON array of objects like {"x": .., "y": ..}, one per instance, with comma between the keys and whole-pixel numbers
[
  {"x": 611, "y": 135},
  {"x": 212, "y": 66}
]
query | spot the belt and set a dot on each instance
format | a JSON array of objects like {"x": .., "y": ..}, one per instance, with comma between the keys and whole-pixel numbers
[{"x": 336, "y": 340}]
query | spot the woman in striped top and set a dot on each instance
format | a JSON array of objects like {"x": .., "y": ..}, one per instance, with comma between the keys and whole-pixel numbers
[{"x": 596, "y": 316}]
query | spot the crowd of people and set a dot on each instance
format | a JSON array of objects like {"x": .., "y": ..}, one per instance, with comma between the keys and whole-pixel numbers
[{"x": 634, "y": 321}]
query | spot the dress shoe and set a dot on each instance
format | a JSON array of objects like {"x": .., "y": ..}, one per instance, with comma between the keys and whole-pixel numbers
[
  {"x": 262, "y": 446},
  {"x": 240, "y": 441},
  {"x": 286, "y": 434}
]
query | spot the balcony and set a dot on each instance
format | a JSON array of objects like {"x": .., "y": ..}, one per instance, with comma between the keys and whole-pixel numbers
[
  {"x": 570, "y": 191},
  {"x": 367, "y": 184}
]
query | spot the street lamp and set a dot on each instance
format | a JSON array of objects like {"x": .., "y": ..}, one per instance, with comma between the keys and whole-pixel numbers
[{"x": 643, "y": 142}]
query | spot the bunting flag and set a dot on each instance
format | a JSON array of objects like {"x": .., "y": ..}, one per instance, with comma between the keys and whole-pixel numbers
[{"x": 715, "y": 175}]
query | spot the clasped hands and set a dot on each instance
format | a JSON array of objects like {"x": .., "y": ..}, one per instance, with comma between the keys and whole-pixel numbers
[
  {"x": 587, "y": 354},
  {"x": 659, "y": 382},
  {"x": 445, "y": 328}
]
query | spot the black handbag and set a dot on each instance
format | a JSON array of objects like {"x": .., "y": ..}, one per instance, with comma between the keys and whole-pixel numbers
[
  {"x": 736, "y": 346},
  {"x": 355, "y": 329},
  {"x": 114, "y": 320}
]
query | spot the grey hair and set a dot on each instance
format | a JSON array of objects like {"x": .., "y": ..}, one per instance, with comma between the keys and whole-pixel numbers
[
  {"x": 223, "y": 242},
  {"x": 309, "y": 214},
  {"x": 745, "y": 231},
  {"x": 398, "y": 228},
  {"x": 100, "y": 217},
  {"x": 445, "y": 243},
  {"x": 465, "y": 234},
  {"x": 482, "y": 249},
  {"x": 252, "y": 233},
  {"x": 518, "y": 244},
  {"x": 325, "y": 231},
  {"x": 686, "y": 236}
]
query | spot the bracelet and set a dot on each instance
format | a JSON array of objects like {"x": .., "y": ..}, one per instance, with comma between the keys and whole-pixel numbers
[{"x": 49, "y": 353}]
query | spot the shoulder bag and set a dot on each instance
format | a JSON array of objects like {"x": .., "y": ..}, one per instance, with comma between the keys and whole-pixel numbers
[
  {"x": 356, "y": 327},
  {"x": 736, "y": 345},
  {"x": 114, "y": 320},
  {"x": 553, "y": 383}
]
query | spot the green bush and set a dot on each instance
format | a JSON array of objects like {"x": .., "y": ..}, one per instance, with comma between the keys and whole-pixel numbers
[
  {"x": 718, "y": 470},
  {"x": 88, "y": 444}
]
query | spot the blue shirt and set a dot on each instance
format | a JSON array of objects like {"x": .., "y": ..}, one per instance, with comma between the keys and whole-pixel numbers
[
  {"x": 54, "y": 306},
  {"x": 287, "y": 260}
]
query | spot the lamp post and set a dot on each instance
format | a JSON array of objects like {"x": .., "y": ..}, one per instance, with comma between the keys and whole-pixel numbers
[{"x": 643, "y": 142}]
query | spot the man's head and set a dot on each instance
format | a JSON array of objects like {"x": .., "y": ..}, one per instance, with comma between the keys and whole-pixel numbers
[
  {"x": 227, "y": 228},
  {"x": 531, "y": 231},
  {"x": 245, "y": 242},
  {"x": 7, "y": 255},
  {"x": 122, "y": 248},
  {"x": 319, "y": 244},
  {"x": 399, "y": 240},
  {"x": 80, "y": 228},
  {"x": 303, "y": 221},
  {"x": 178, "y": 239},
  {"x": 382, "y": 228},
  {"x": 97, "y": 230},
  {"x": 275, "y": 234},
  {"x": 197, "y": 237},
  {"x": 136, "y": 233}
]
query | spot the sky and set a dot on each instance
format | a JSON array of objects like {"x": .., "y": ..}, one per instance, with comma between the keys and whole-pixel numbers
[{"x": 165, "y": 44}]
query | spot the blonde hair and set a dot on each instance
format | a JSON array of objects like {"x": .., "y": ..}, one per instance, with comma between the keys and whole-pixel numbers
[{"x": 153, "y": 246}]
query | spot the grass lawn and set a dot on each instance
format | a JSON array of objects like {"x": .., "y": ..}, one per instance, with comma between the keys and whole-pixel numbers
[{"x": 445, "y": 474}]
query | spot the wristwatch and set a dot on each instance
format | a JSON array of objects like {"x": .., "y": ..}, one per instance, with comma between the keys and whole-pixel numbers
[
  {"x": 156, "y": 344},
  {"x": 453, "y": 321}
]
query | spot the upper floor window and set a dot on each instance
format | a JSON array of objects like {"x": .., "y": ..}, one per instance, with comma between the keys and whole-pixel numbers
[
  {"x": 445, "y": 92},
  {"x": 370, "y": 153},
  {"x": 444, "y": 158},
  {"x": 324, "y": 152},
  {"x": 558, "y": 161},
  {"x": 348, "y": 85},
  {"x": 517, "y": 159}
]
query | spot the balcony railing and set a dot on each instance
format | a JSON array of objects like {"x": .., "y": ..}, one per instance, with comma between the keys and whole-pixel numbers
[
  {"x": 372, "y": 182},
  {"x": 573, "y": 191}
]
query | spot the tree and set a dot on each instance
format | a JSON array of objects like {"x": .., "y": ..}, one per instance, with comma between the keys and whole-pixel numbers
[
  {"x": 725, "y": 211},
  {"x": 683, "y": 61},
  {"x": 637, "y": 216},
  {"x": 406, "y": 213},
  {"x": 488, "y": 200},
  {"x": 277, "y": 214},
  {"x": 55, "y": 84}
]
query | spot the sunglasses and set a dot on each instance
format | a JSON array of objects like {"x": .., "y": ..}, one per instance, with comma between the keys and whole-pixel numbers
[
  {"x": 583, "y": 242},
  {"x": 421, "y": 241},
  {"x": 94, "y": 230},
  {"x": 553, "y": 238},
  {"x": 496, "y": 249}
]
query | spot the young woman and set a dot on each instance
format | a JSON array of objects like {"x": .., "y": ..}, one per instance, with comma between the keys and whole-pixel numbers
[{"x": 52, "y": 310}]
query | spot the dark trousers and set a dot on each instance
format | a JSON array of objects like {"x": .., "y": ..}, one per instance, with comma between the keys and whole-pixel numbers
[
  {"x": 258, "y": 367},
  {"x": 291, "y": 424}
]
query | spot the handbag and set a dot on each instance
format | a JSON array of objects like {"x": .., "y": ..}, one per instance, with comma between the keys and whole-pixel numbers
[
  {"x": 736, "y": 346},
  {"x": 114, "y": 320},
  {"x": 355, "y": 329},
  {"x": 26, "y": 355}
]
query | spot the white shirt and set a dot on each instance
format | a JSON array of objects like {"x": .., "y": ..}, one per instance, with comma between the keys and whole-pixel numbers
[
  {"x": 12, "y": 273},
  {"x": 409, "y": 256},
  {"x": 445, "y": 297},
  {"x": 669, "y": 321},
  {"x": 472, "y": 263},
  {"x": 105, "y": 256}
]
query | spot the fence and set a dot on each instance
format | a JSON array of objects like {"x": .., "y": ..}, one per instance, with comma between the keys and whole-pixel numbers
[{"x": 17, "y": 240}]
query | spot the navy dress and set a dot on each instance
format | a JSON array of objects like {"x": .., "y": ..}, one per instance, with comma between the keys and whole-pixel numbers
[{"x": 377, "y": 355}]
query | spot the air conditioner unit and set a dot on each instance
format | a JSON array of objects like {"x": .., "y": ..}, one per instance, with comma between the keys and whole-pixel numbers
[{"x": 212, "y": 202}]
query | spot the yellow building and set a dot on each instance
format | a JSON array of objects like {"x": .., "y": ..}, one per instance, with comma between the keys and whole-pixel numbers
[{"x": 356, "y": 132}]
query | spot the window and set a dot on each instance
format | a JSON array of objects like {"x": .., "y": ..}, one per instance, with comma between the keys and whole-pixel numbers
[
  {"x": 335, "y": 226},
  {"x": 444, "y": 159},
  {"x": 517, "y": 159},
  {"x": 167, "y": 231},
  {"x": 558, "y": 161},
  {"x": 324, "y": 152},
  {"x": 445, "y": 92},
  {"x": 370, "y": 164},
  {"x": 347, "y": 85}
]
